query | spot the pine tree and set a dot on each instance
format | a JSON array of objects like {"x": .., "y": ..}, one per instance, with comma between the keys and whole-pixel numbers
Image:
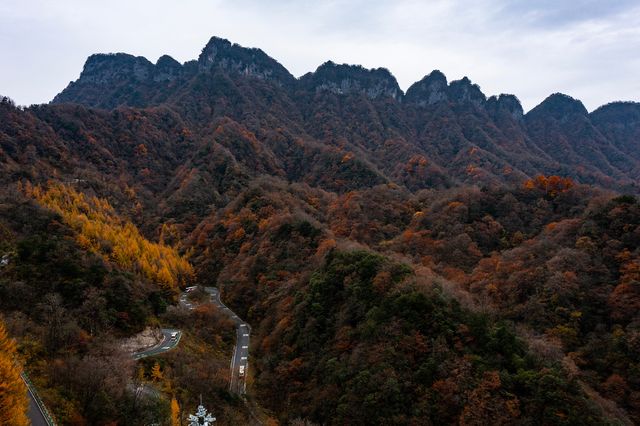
[{"x": 13, "y": 392}]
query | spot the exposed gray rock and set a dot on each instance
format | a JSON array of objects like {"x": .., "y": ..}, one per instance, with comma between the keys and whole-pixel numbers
[
  {"x": 432, "y": 89},
  {"x": 236, "y": 59},
  {"x": 507, "y": 104},
  {"x": 345, "y": 79}
]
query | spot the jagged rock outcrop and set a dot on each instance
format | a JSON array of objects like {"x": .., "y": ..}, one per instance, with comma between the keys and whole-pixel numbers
[
  {"x": 346, "y": 79},
  {"x": 233, "y": 58},
  {"x": 505, "y": 104},
  {"x": 432, "y": 89},
  {"x": 464, "y": 90},
  {"x": 439, "y": 133},
  {"x": 109, "y": 68}
]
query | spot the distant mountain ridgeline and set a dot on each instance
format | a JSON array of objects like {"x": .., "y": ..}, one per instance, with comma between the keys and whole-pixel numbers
[
  {"x": 434, "y": 256},
  {"x": 437, "y": 134}
]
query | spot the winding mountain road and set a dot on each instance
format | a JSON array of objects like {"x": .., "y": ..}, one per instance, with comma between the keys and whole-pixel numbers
[
  {"x": 37, "y": 411},
  {"x": 240, "y": 360},
  {"x": 170, "y": 339}
]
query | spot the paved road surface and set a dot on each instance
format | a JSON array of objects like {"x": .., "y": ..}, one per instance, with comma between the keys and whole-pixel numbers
[
  {"x": 240, "y": 359},
  {"x": 35, "y": 415},
  {"x": 168, "y": 342}
]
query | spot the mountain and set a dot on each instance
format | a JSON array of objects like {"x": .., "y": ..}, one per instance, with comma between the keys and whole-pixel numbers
[
  {"x": 438, "y": 134},
  {"x": 431, "y": 257}
]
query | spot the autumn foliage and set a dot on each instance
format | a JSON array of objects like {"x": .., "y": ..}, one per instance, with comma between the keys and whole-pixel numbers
[
  {"x": 403, "y": 262},
  {"x": 551, "y": 185},
  {"x": 13, "y": 391},
  {"x": 101, "y": 231}
]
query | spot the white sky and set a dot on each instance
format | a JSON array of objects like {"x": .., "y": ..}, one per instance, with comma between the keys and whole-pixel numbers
[{"x": 589, "y": 49}]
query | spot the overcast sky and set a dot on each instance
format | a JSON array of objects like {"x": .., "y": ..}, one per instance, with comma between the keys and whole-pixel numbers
[{"x": 589, "y": 49}]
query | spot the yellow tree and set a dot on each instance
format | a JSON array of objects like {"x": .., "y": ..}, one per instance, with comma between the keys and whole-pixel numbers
[
  {"x": 175, "y": 412},
  {"x": 156, "y": 373},
  {"x": 13, "y": 392}
]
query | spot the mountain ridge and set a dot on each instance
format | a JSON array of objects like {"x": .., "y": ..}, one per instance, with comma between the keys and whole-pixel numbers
[
  {"x": 244, "y": 60},
  {"x": 437, "y": 134},
  {"x": 346, "y": 221}
]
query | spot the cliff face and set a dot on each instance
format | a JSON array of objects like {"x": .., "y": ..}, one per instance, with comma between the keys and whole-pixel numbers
[
  {"x": 464, "y": 136},
  {"x": 238, "y": 60},
  {"x": 351, "y": 79}
]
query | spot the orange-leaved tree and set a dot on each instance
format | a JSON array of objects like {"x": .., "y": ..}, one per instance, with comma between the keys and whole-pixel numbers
[
  {"x": 13, "y": 392},
  {"x": 175, "y": 412}
]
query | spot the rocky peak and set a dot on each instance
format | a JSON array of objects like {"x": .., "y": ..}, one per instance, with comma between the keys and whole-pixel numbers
[
  {"x": 233, "y": 58},
  {"x": 465, "y": 91},
  {"x": 167, "y": 68},
  {"x": 431, "y": 89},
  {"x": 344, "y": 79},
  {"x": 505, "y": 104},
  {"x": 215, "y": 47},
  {"x": 108, "y": 68},
  {"x": 560, "y": 107},
  {"x": 618, "y": 112}
]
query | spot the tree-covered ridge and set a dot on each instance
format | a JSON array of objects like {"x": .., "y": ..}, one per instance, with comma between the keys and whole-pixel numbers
[
  {"x": 260, "y": 250},
  {"x": 365, "y": 342},
  {"x": 100, "y": 230},
  {"x": 439, "y": 133}
]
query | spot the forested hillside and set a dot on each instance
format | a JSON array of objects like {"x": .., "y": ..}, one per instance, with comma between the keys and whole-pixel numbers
[
  {"x": 13, "y": 392},
  {"x": 428, "y": 257}
]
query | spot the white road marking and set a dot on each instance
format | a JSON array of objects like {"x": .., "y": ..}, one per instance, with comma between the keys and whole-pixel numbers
[
  {"x": 245, "y": 335},
  {"x": 243, "y": 358},
  {"x": 245, "y": 347}
]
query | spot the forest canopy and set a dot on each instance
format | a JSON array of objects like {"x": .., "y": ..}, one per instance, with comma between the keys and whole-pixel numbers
[{"x": 100, "y": 230}]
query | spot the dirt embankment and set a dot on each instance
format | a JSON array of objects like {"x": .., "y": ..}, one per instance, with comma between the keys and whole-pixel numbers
[{"x": 145, "y": 339}]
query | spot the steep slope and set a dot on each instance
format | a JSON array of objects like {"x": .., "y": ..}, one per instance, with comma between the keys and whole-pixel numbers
[
  {"x": 348, "y": 222},
  {"x": 619, "y": 122},
  {"x": 561, "y": 126},
  {"x": 438, "y": 134}
]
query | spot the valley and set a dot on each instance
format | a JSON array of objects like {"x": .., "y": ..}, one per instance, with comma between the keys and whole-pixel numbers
[{"x": 434, "y": 256}]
